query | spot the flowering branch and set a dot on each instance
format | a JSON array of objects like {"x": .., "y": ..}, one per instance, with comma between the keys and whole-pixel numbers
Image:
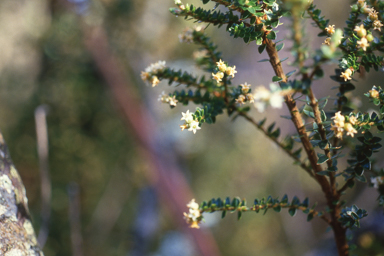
[{"x": 256, "y": 21}]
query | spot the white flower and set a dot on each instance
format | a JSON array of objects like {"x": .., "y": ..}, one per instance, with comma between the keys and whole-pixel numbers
[
  {"x": 178, "y": 2},
  {"x": 261, "y": 93},
  {"x": 192, "y": 204},
  {"x": 173, "y": 101},
  {"x": 260, "y": 106},
  {"x": 377, "y": 181},
  {"x": 276, "y": 100},
  {"x": 188, "y": 117},
  {"x": 193, "y": 217},
  {"x": 194, "y": 126}
]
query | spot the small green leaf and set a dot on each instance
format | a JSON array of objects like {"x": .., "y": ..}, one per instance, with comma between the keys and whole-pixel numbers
[
  {"x": 323, "y": 116},
  {"x": 292, "y": 211},
  {"x": 271, "y": 35},
  {"x": 290, "y": 73},
  {"x": 223, "y": 214},
  {"x": 276, "y": 79},
  {"x": 263, "y": 60},
  {"x": 261, "y": 49},
  {"x": 239, "y": 214},
  {"x": 322, "y": 158},
  {"x": 277, "y": 208},
  {"x": 279, "y": 47},
  {"x": 310, "y": 217}
]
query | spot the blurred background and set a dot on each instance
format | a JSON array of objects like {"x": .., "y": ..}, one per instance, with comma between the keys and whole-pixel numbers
[{"x": 120, "y": 168}]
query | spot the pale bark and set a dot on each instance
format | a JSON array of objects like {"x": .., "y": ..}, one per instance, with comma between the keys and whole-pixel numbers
[{"x": 17, "y": 237}]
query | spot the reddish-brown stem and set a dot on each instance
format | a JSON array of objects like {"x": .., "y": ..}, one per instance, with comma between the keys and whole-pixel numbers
[{"x": 331, "y": 195}]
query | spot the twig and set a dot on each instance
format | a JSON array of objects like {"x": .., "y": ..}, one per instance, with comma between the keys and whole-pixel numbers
[
  {"x": 42, "y": 150},
  {"x": 303, "y": 165}
]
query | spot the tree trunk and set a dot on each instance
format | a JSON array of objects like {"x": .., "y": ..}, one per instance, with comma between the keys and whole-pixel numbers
[{"x": 17, "y": 237}]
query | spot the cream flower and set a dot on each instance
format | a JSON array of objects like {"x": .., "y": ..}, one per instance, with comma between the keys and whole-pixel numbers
[
  {"x": 350, "y": 130},
  {"x": 245, "y": 87},
  {"x": 193, "y": 217},
  {"x": 194, "y": 126},
  {"x": 353, "y": 120},
  {"x": 218, "y": 76},
  {"x": 339, "y": 119},
  {"x": 327, "y": 41},
  {"x": 173, "y": 101},
  {"x": 188, "y": 117},
  {"x": 360, "y": 30},
  {"x": 373, "y": 15},
  {"x": 221, "y": 65},
  {"x": 192, "y": 204},
  {"x": 330, "y": 29},
  {"x": 338, "y": 131},
  {"x": 240, "y": 99},
  {"x": 363, "y": 43},
  {"x": 155, "y": 81},
  {"x": 250, "y": 98},
  {"x": 231, "y": 71},
  {"x": 347, "y": 74},
  {"x": 377, "y": 25},
  {"x": 374, "y": 94}
]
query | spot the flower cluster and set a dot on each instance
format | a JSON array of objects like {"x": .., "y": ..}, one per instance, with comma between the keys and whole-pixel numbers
[
  {"x": 223, "y": 70},
  {"x": 263, "y": 97},
  {"x": 187, "y": 35},
  {"x": 375, "y": 94},
  {"x": 330, "y": 31},
  {"x": 190, "y": 122},
  {"x": 193, "y": 217},
  {"x": 149, "y": 75},
  {"x": 246, "y": 95},
  {"x": 362, "y": 34},
  {"x": 164, "y": 98},
  {"x": 340, "y": 125}
]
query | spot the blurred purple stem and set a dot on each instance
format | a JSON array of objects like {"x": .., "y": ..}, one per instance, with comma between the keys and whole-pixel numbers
[{"x": 165, "y": 176}]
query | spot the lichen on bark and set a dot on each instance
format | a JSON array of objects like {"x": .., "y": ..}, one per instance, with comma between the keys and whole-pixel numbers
[{"x": 17, "y": 236}]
